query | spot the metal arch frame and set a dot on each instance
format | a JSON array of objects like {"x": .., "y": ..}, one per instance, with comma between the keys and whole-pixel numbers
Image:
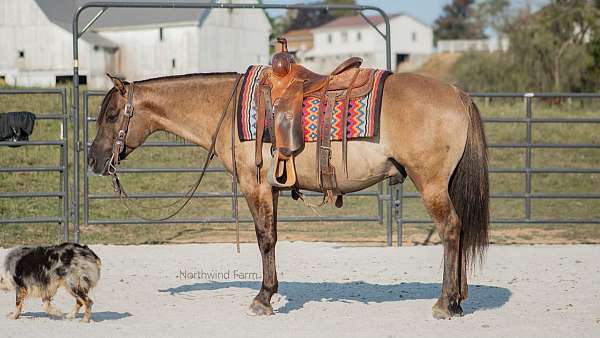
[{"x": 104, "y": 6}]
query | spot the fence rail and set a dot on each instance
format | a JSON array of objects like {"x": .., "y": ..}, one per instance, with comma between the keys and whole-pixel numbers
[
  {"x": 390, "y": 200},
  {"x": 528, "y": 169},
  {"x": 378, "y": 195},
  {"x": 62, "y": 168}
]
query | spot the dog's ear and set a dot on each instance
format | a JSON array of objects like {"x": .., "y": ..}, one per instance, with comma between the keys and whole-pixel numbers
[{"x": 119, "y": 84}]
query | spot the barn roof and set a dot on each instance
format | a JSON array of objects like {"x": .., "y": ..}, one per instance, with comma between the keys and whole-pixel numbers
[
  {"x": 61, "y": 12},
  {"x": 355, "y": 20},
  {"x": 358, "y": 20}
]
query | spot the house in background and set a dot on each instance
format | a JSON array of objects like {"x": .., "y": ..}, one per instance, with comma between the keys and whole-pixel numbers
[
  {"x": 36, "y": 43},
  {"x": 411, "y": 43},
  {"x": 300, "y": 40}
]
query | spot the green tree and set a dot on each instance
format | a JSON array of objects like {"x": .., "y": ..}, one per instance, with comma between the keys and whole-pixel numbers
[
  {"x": 301, "y": 19},
  {"x": 552, "y": 42},
  {"x": 494, "y": 14},
  {"x": 458, "y": 21},
  {"x": 554, "y": 49}
]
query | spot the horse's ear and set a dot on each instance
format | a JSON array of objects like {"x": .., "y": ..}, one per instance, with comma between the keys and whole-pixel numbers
[{"x": 119, "y": 84}]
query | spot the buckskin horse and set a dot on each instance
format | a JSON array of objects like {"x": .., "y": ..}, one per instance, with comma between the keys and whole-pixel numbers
[{"x": 429, "y": 130}]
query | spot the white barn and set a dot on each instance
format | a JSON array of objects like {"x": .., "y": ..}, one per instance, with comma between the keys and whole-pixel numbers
[
  {"x": 36, "y": 43},
  {"x": 411, "y": 40}
]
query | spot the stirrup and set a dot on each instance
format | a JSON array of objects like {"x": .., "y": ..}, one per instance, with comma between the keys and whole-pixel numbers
[{"x": 282, "y": 173}]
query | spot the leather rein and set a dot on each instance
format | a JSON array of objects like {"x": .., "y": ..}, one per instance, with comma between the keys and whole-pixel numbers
[{"x": 119, "y": 146}]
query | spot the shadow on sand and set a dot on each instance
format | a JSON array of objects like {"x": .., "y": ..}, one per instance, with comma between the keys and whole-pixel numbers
[
  {"x": 96, "y": 316},
  {"x": 481, "y": 297}
]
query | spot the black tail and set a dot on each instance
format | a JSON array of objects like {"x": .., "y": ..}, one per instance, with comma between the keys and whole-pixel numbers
[{"x": 469, "y": 188}]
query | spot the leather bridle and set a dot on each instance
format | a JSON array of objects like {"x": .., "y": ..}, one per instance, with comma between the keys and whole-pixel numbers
[{"x": 119, "y": 146}]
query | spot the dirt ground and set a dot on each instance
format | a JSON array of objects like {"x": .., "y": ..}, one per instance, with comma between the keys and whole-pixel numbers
[{"x": 327, "y": 290}]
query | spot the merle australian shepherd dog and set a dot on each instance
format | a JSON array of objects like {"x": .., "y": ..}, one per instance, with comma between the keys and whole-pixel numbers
[{"x": 41, "y": 271}]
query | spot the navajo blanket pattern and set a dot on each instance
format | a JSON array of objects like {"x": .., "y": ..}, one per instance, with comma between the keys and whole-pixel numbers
[{"x": 363, "y": 112}]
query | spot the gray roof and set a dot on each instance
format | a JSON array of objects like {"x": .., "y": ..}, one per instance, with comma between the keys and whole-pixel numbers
[{"x": 61, "y": 12}]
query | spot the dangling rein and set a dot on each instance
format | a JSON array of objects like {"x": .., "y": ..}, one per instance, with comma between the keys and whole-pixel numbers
[{"x": 119, "y": 147}]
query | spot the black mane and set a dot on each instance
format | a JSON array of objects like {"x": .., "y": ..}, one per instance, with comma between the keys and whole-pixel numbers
[
  {"x": 185, "y": 76},
  {"x": 104, "y": 104}
]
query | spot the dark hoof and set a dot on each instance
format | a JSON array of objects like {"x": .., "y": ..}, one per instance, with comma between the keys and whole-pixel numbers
[
  {"x": 259, "y": 309},
  {"x": 443, "y": 311}
]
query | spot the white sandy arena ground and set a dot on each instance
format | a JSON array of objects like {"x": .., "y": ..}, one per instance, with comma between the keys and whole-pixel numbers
[{"x": 326, "y": 290}]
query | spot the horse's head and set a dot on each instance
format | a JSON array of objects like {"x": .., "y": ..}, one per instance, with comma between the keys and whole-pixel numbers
[{"x": 112, "y": 119}]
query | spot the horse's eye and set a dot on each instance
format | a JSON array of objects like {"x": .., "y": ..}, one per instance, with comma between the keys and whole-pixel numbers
[{"x": 112, "y": 118}]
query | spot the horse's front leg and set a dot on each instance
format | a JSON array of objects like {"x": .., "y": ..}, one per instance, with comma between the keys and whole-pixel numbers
[{"x": 262, "y": 201}]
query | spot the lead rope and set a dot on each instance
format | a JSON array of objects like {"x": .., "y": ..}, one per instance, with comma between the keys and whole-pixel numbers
[
  {"x": 235, "y": 177},
  {"x": 211, "y": 152}
]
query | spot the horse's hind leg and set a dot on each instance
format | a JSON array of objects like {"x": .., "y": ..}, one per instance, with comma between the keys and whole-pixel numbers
[
  {"x": 262, "y": 201},
  {"x": 438, "y": 204}
]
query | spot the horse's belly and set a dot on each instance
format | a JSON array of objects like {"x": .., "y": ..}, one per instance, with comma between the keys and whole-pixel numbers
[{"x": 367, "y": 164}]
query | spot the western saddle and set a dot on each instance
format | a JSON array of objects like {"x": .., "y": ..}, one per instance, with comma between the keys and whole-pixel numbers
[{"x": 282, "y": 89}]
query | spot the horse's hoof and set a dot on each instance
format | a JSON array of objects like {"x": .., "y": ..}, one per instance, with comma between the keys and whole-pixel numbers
[
  {"x": 442, "y": 311},
  {"x": 259, "y": 309},
  {"x": 456, "y": 310},
  {"x": 12, "y": 316},
  {"x": 441, "y": 314}
]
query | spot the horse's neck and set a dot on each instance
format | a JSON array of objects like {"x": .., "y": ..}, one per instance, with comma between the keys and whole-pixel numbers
[{"x": 191, "y": 108}]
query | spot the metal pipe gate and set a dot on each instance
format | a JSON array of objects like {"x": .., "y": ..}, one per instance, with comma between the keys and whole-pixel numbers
[
  {"x": 87, "y": 195},
  {"x": 82, "y": 146},
  {"x": 61, "y": 168}
]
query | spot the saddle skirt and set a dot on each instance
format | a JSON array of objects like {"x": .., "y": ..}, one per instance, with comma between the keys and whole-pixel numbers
[
  {"x": 363, "y": 111},
  {"x": 287, "y": 104}
]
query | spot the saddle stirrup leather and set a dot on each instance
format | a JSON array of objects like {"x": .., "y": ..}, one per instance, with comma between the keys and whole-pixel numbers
[{"x": 280, "y": 95}]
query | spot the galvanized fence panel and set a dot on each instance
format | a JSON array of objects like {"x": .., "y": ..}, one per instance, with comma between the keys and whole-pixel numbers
[
  {"x": 102, "y": 7},
  {"x": 529, "y": 170},
  {"x": 379, "y": 195},
  {"x": 61, "y": 168}
]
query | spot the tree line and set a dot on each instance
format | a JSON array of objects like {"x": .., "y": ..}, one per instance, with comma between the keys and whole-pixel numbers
[{"x": 554, "y": 48}]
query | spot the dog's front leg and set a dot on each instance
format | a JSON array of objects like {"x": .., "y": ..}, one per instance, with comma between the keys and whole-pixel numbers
[{"x": 21, "y": 294}]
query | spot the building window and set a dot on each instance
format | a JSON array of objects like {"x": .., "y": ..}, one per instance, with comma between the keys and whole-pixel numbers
[
  {"x": 414, "y": 36},
  {"x": 344, "y": 36},
  {"x": 329, "y": 38},
  {"x": 172, "y": 63},
  {"x": 160, "y": 34},
  {"x": 21, "y": 54},
  {"x": 358, "y": 36}
]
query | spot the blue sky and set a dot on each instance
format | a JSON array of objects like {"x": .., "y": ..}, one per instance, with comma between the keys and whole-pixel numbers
[{"x": 425, "y": 10}]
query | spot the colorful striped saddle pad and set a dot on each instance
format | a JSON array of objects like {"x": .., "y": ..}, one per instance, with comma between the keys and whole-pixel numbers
[{"x": 363, "y": 112}]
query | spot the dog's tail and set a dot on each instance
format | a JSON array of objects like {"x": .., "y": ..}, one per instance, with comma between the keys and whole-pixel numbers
[{"x": 93, "y": 254}]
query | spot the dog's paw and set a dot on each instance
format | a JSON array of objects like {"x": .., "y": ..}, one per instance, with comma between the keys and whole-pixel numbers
[
  {"x": 12, "y": 316},
  {"x": 58, "y": 315}
]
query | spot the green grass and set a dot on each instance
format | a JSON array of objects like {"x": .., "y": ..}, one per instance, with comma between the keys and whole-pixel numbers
[{"x": 351, "y": 232}]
